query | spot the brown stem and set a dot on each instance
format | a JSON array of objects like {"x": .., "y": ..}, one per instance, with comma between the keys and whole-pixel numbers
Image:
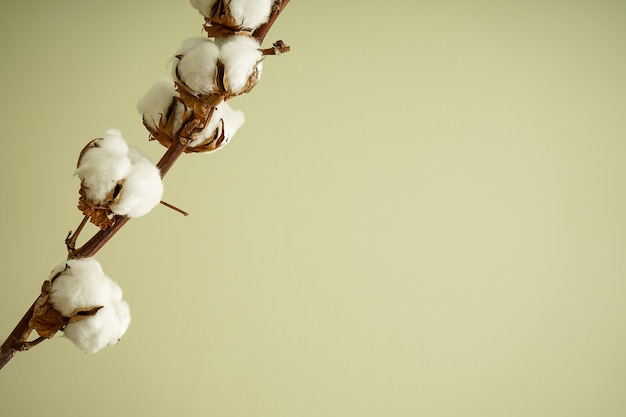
[
  {"x": 93, "y": 245},
  {"x": 172, "y": 154},
  {"x": 173, "y": 207},
  {"x": 70, "y": 241},
  {"x": 277, "y": 48},
  {"x": 17, "y": 340},
  {"x": 261, "y": 31},
  {"x": 29, "y": 345},
  {"x": 100, "y": 239}
]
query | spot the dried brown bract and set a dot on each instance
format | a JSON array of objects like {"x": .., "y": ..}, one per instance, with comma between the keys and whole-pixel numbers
[{"x": 47, "y": 321}]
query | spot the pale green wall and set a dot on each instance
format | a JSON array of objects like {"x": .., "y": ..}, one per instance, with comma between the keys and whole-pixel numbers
[{"x": 424, "y": 214}]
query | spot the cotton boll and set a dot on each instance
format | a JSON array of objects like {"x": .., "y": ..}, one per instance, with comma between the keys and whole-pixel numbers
[
  {"x": 224, "y": 115},
  {"x": 196, "y": 68},
  {"x": 203, "y": 6},
  {"x": 241, "y": 56},
  {"x": 102, "y": 165},
  {"x": 140, "y": 183},
  {"x": 141, "y": 190},
  {"x": 251, "y": 13},
  {"x": 156, "y": 102},
  {"x": 81, "y": 284},
  {"x": 104, "y": 328}
]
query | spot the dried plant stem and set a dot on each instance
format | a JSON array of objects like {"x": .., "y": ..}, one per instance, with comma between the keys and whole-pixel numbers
[
  {"x": 29, "y": 345},
  {"x": 261, "y": 31},
  {"x": 277, "y": 48},
  {"x": 17, "y": 341},
  {"x": 172, "y": 154},
  {"x": 70, "y": 241},
  {"x": 176, "y": 209},
  {"x": 100, "y": 239}
]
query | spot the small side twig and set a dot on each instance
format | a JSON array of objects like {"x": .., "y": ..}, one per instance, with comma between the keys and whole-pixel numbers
[
  {"x": 17, "y": 339},
  {"x": 28, "y": 345},
  {"x": 170, "y": 206},
  {"x": 279, "y": 47},
  {"x": 70, "y": 240}
]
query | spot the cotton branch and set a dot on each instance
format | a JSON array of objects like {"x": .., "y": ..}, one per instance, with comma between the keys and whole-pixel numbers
[{"x": 195, "y": 121}]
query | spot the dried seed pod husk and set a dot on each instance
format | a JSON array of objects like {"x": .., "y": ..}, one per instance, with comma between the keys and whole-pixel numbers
[
  {"x": 235, "y": 15},
  {"x": 99, "y": 213},
  {"x": 47, "y": 321},
  {"x": 186, "y": 118}
]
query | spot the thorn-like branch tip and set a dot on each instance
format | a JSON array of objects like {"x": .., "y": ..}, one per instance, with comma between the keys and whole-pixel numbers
[
  {"x": 29, "y": 345},
  {"x": 168, "y": 205},
  {"x": 279, "y": 47}
]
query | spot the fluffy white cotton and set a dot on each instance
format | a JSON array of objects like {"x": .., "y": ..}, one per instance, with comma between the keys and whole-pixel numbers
[
  {"x": 82, "y": 284},
  {"x": 105, "y": 328},
  {"x": 251, "y": 14},
  {"x": 248, "y": 14},
  {"x": 197, "y": 65},
  {"x": 111, "y": 162},
  {"x": 242, "y": 58},
  {"x": 156, "y": 102},
  {"x": 102, "y": 165},
  {"x": 190, "y": 43},
  {"x": 142, "y": 188},
  {"x": 223, "y": 117},
  {"x": 203, "y": 6},
  {"x": 198, "y": 59}
]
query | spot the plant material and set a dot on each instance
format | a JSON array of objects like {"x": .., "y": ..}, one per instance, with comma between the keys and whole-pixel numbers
[
  {"x": 84, "y": 303},
  {"x": 234, "y": 15},
  {"x": 189, "y": 113},
  {"x": 116, "y": 179}
]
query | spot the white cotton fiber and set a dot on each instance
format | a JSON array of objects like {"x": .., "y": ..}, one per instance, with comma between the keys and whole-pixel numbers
[
  {"x": 81, "y": 284},
  {"x": 141, "y": 190},
  {"x": 203, "y": 6},
  {"x": 105, "y": 328},
  {"x": 251, "y": 14},
  {"x": 156, "y": 102},
  {"x": 103, "y": 165},
  {"x": 113, "y": 143},
  {"x": 197, "y": 66},
  {"x": 241, "y": 56},
  {"x": 111, "y": 162},
  {"x": 190, "y": 43},
  {"x": 197, "y": 61},
  {"x": 248, "y": 14},
  {"x": 224, "y": 115},
  {"x": 233, "y": 120}
]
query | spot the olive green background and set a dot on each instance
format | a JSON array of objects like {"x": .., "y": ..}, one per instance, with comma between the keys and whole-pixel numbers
[{"x": 424, "y": 214}]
